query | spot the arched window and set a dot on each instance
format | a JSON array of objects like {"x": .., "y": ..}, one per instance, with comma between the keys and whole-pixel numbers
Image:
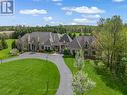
[
  {"x": 86, "y": 45},
  {"x": 42, "y": 47}
]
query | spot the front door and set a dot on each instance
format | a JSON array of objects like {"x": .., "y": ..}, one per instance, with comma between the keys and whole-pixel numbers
[{"x": 33, "y": 48}]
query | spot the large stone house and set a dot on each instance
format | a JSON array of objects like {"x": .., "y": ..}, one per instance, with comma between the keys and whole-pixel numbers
[
  {"x": 86, "y": 43},
  {"x": 40, "y": 41}
]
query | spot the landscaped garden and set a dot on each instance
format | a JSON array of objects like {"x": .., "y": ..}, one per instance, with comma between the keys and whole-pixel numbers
[
  {"x": 29, "y": 77},
  {"x": 106, "y": 84},
  {"x": 5, "y": 52}
]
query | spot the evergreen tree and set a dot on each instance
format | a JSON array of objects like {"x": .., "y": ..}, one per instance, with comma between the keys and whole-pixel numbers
[
  {"x": 13, "y": 45},
  {"x": 80, "y": 34},
  {"x": 4, "y": 43},
  {"x": 74, "y": 35},
  {"x": 70, "y": 34},
  {"x": 1, "y": 47}
]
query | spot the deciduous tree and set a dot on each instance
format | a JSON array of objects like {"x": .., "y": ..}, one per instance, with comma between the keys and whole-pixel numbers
[
  {"x": 111, "y": 42},
  {"x": 81, "y": 83}
]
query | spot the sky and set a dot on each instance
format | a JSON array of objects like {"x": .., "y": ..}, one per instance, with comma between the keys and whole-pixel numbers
[{"x": 66, "y": 12}]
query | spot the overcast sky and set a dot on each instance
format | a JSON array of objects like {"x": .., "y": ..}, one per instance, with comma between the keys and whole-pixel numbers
[{"x": 67, "y": 12}]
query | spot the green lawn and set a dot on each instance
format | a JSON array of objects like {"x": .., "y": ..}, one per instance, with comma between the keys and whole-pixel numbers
[
  {"x": 105, "y": 83},
  {"x": 28, "y": 77},
  {"x": 5, "y": 52},
  {"x": 78, "y": 33}
]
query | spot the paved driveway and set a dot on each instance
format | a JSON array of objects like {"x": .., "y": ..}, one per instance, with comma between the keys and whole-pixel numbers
[{"x": 65, "y": 87}]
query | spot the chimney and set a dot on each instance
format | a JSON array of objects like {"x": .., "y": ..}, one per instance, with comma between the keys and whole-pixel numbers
[{"x": 28, "y": 37}]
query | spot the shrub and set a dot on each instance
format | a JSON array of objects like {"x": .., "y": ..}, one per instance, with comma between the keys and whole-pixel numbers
[
  {"x": 66, "y": 51},
  {"x": 14, "y": 52},
  {"x": 4, "y": 43},
  {"x": 13, "y": 45}
]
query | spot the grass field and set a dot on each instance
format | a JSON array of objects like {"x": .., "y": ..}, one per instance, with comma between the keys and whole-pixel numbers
[
  {"x": 5, "y": 52},
  {"x": 28, "y": 77},
  {"x": 105, "y": 83},
  {"x": 78, "y": 33}
]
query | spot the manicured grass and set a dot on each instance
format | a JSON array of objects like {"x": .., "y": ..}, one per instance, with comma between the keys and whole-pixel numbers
[
  {"x": 78, "y": 33},
  {"x": 106, "y": 84},
  {"x": 69, "y": 60},
  {"x": 28, "y": 77},
  {"x": 5, "y": 52}
]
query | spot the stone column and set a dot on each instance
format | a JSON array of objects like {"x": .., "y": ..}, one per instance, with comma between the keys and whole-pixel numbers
[{"x": 60, "y": 48}]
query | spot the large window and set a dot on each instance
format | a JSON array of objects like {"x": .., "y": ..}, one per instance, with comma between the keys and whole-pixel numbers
[
  {"x": 48, "y": 48},
  {"x": 86, "y": 45},
  {"x": 93, "y": 52},
  {"x": 29, "y": 47},
  {"x": 42, "y": 47}
]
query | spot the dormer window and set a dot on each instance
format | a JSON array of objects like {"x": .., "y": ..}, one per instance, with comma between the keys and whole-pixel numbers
[
  {"x": 86, "y": 45},
  {"x": 42, "y": 47}
]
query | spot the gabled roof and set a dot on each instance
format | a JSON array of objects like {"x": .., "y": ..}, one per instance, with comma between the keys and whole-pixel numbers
[
  {"x": 48, "y": 42},
  {"x": 43, "y": 37},
  {"x": 56, "y": 37},
  {"x": 79, "y": 42},
  {"x": 85, "y": 39},
  {"x": 75, "y": 44},
  {"x": 65, "y": 38}
]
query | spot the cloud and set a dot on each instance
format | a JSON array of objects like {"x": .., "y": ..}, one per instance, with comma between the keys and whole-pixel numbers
[
  {"x": 33, "y": 12},
  {"x": 3, "y": 0},
  {"x": 118, "y": 0},
  {"x": 68, "y": 13},
  {"x": 83, "y": 10},
  {"x": 74, "y": 23},
  {"x": 54, "y": 23},
  {"x": 88, "y": 19},
  {"x": 49, "y": 18},
  {"x": 59, "y": 4},
  {"x": 92, "y": 16},
  {"x": 82, "y": 20}
]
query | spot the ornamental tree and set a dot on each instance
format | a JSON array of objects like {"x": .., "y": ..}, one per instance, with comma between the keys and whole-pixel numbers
[{"x": 81, "y": 83}]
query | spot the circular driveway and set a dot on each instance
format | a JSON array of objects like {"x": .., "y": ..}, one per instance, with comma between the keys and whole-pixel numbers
[{"x": 65, "y": 86}]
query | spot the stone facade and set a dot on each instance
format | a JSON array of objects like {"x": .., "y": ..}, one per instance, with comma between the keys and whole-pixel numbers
[
  {"x": 86, "y": 43},
  {"x": 41, "y": 41}
]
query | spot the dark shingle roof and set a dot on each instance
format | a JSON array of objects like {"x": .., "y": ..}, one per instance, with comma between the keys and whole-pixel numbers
[
  {"x": 75, "y": 44},
  {"x": 65, "y": 38},
  {"x": 48, "y": 42},
  {"x": 56, "y": 37},
  {"x": 85, "y": 39},
  {"x": 80, "y": 41},
  {"x": 43, "y": 37}
]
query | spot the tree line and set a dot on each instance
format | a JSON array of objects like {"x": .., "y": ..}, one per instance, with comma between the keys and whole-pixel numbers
[{"x": 22, "y": 29}]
